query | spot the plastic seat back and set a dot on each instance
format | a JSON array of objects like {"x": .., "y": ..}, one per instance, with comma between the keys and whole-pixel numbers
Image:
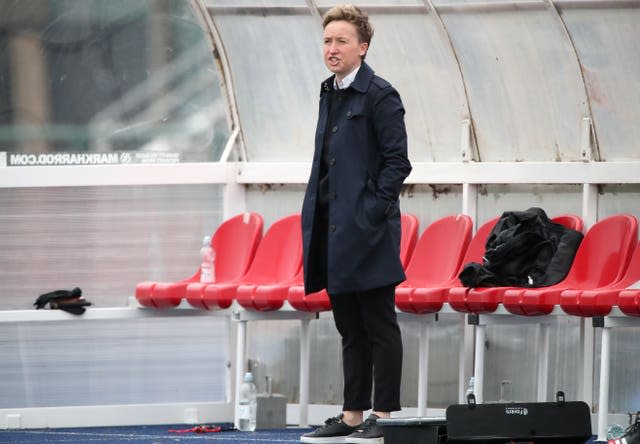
[
  {"x": 279, "y": 255},
  {"x": 570, "y": 221},
  {"x": 600, "y": 301},
  {"x": 409, "y": 237},
  {"x": 604, "y": 254},
  {"x": 632, "y": 274},
  {"x": 235, "y": 243},
  {"x": 430, "y": 297},
  {"x": 438, "y": 253},
  {"x": 628, "y": 297}
]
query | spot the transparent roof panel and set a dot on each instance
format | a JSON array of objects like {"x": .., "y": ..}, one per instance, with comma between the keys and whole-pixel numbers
[
  {"x": 608, "y": 43},
  {"x": 522, "y": 75},
  {"x": 524, "y": 85},
  {"x": 276, "y": 63},
  {"x": 281, "y": 48},
  {"x": 411, "y": 51}
]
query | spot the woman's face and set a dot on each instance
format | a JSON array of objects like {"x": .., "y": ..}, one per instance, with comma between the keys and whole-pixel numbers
[{"x": 342, "y": 48}]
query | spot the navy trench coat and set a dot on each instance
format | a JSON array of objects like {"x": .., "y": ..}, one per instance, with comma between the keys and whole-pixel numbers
[{"x": 368, "y": 162}]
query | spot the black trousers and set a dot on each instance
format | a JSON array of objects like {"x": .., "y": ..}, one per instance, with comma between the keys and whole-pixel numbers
[{"x": 371, "y": 348}]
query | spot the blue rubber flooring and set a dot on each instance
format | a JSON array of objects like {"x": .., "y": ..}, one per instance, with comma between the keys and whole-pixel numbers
[
  {"x": 145, "y": 434},
  {"x": 149, "y": 435}
]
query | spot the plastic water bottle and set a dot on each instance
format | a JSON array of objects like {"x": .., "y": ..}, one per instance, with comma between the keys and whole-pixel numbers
[
  {"x": 208, "y": 257},
  {"x": 505, "y": 390},
  {"x": 471, "y": 388},
  {"x": 247, "y": 402}
]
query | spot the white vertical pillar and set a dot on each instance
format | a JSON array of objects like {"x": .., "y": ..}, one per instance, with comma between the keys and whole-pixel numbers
[
  {"x": 478, "y": 370},
  {"x": 585, "y": 376},
  {"x": 589, "y": 204},
  {"x": 241, "y": 342},
  {"x": 305, "y": 346},
  {"x": 603, "y": 398},
  {"x": 470, "y": 202},
  {"x": 228, "y": 372},
  {"x": 423, "y": 369},
  {"x": 543, "y": 362},
  {"x": 465, "y": 368},
  {"x": 468, "y": 361},
  {"x": 234, "y": 198}
]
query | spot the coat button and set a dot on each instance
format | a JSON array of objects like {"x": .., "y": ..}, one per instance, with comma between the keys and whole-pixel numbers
[
  {"x": 332, "y": 195},
  {"x": 349, "y": 114},
  {"x": 332, "y": 161},
  {"x": 332, "y": 228},
  {"x": 334, "y": 129}
]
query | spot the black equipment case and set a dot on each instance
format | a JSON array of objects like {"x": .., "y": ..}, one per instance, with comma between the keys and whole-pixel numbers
[{"x": 542, "y": 422}]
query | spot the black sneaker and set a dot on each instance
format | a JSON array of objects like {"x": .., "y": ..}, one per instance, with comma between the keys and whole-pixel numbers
[
  {"x": 334, "y": 430},
  {"x": 631, "y": 435},
  {"x": 369, "y": 432}
]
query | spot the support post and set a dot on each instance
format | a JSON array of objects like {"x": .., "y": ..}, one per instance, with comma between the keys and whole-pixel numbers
[
  {"x": 478, "y": 370},
  {"x": 305, "y": 347},
  {"x": 241, "y": 342},
  {"x": 543, "y": 362},
  {"x": 423, "y": 369},
  {"x": 465, "y": 369},
  {"x": 603, "y": 399},
  {"x": 585, "y": 376},
  {"x": 228, "y": 372}
]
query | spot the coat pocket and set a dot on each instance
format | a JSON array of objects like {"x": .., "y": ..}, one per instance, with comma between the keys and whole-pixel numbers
[
  {"x": 356, "y": 113},
  {"x": 375, "y": 207}
]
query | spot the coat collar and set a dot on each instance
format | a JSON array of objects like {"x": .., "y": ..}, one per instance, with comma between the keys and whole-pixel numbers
[{"x": 360, "y": 84}]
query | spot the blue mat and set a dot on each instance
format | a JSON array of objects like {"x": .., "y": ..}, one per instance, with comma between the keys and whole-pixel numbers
[
  {"x": 149, "y": 435},
  {"x": 146, "y": 434}
]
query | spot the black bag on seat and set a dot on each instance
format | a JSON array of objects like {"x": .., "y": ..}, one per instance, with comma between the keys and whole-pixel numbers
[{"x": 524, "y": 249}]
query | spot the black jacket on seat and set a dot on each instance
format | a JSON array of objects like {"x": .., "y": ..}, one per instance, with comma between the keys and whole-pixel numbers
[{"x": 524, "y": 249}]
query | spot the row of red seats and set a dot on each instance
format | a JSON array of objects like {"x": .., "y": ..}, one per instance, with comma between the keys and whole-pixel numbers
[
  {"x": 261, "y": 273},
  {"x": 258, "y": 272},
  {"x": 606, "y": 263}
]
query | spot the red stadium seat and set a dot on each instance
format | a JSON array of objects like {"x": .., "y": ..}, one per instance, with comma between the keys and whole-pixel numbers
[
  {"x": 409, "y": 237},
  {"x": 601, "y": 260},
  {"x": 487, "y": 299},
  {"x": 319, "y": 301},
  {"x": 240, "y": 247},
  {"x": 276, "y": 263},
  {"x": 600, "y": 301},
  {"x": 314, "y": 302},
  {"x": 144, "y": 290},
  {"x": 234, "y": 241},
  {"x": 629, "y": 301},
  {"x": 435, "y": 263},
  {"x": 570, "y": 221}
]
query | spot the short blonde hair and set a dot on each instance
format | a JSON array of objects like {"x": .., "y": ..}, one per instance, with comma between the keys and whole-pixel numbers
[{"x": 354, "y": 15}]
